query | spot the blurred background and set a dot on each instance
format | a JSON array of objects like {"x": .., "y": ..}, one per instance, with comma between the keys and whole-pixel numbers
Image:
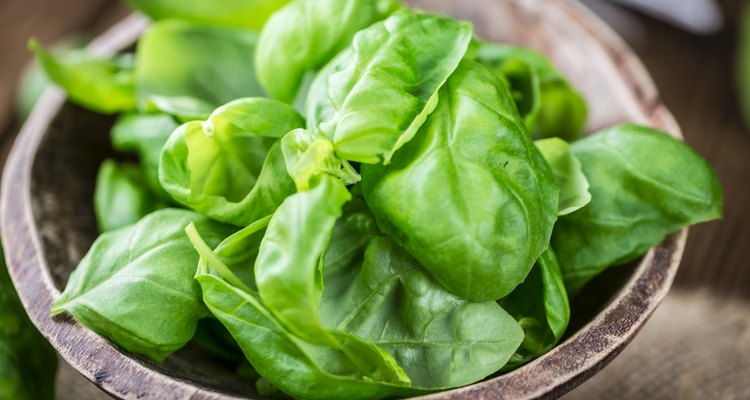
[{"x": 697, "y": 345}]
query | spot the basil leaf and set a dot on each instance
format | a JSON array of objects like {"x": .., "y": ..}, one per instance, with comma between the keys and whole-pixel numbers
[
  {"x": 351, "y": 235},
  {"x": 135, "y": 284},
  {"x": 550, "y": 105},
  {"x": 523, "y": 81},
  {"x": 289, "y": 268},
  {"x": 290, "y": 284},
  {"x": 644, "y": 186},
  {"x": 307, "y": 155},
  {"x": 27, "y": 362},
  {"x": 121, "y": 196},
  {"x": 574, "y": 187},
  {"x": 318, "y": 105},
  {"x": 144, "y": 135},
  {"x": 104, "y": 85},
  {"x": 205, "y": 66},
  {"x": 540, "y": 305},
  {"x": 299, "y": 368},
  {"x": 317, "y": 30},
  {"x": 184, "y": 108},
  {"x": 439, "y": 339},
  {"x": 239, "y": 251},
  {"x": 238, "y": 13},
  {"x": 473, "y": 165},
  {"x": 563, "y": 112},
  {"x": 230, "y": 167},
  {"x": 390, "y": 85}
]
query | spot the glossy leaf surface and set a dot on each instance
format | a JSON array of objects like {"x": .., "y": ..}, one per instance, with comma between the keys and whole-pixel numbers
[
  {"x": 390, "y": 85},
  {"x": 574, "y": 187},
  {"x": 299, "y": 368},
  {"x": 230, "y": 167},
  {"x": 289, "y": 268},
  {"x": 540, "y": 305},
  {"x": 472, "y": 165},
  {"x": 135, "y": 285},
  {"x": 644, "y": 186},
  {"x": 439, "y": 339},
  {"x": 313, "y": 31}
]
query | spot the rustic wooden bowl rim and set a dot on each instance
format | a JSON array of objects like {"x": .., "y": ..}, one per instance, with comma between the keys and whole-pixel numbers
[{"x": 566, "y": 366}]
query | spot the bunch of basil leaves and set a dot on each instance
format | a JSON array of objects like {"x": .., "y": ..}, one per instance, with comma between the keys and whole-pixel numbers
[{"x": 353, "y": 190}]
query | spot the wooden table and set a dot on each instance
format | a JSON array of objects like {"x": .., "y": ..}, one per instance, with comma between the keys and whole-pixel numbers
[{"x": 695, "y": 76}]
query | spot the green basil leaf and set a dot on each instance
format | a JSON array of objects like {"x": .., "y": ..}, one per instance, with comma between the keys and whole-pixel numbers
[
  {"x": 317, "y": 30},
  {"x": 121, "y": 196},
  {"x": 239, "y": 251},
  {"x": 540, "y": 305},
  {"x": 144, "y": 135},
  {"x": 523, "y": 81},
  {"x": 184, "y": 108},
  {"x": 230, "y": 167},
  {"x": 551, "y": 107},
  {"x": 439, "y": 339},
  {"x": 238, "y": 13},
  {"x": 187, "y": 70},
  {"x": 574, "y": 187},
  {"x": 318, "y": 105},
  {"x": 473, "y": 165},
  {"x": 27, "y": 362},
  {"x": 135, "y": 285},
  {"x": 563, "y": 112},
  {"x": 299, "y": 368},
  {"x": 644, "y": 186},
  {"x": 390, "y": 85},
  {"x": 34, "y": 81},
  {"x": 354, "y": 368},
  {"x": 352, "y": 233},
  {"x": 105, "y": 85},
  {"x": 253, "y": 115},
  {"x": 307, "y": 155},
  {"x": 289, "y": 268}
]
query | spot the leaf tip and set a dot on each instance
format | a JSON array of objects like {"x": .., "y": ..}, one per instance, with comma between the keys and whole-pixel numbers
[{"x": 33, "y": 44}]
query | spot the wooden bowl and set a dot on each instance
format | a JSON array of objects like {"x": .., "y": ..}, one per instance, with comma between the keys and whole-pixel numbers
[{"x": 48, "y": 221}]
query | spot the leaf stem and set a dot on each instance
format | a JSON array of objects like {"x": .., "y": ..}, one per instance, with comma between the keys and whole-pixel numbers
[{"x": 211, "y": 258}]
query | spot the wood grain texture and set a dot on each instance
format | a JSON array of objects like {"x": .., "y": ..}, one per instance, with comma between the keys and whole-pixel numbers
[
  {"x": 695, "y": 347},
  {"x": 554, "y": 28}
]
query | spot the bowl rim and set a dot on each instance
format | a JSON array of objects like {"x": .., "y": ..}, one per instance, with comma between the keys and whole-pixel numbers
[{"x": 567, "y": 365}]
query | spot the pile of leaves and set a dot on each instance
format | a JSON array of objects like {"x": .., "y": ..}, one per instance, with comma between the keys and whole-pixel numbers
[{"x": 347, "y": 194}]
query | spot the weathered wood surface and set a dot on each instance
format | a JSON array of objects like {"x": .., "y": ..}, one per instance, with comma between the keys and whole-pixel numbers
[{"x": 694, "y": 76}]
